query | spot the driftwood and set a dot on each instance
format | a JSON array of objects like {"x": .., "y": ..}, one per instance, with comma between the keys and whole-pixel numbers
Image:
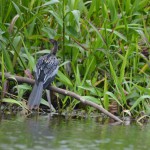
[{"x": 64, "y": 92}]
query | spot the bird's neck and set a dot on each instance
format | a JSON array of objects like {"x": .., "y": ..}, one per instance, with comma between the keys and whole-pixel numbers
[{"x": 55, "y": 48}]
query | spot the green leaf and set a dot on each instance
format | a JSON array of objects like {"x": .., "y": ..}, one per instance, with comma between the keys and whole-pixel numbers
[
  {"x": 8, "y": 62},
  {"x": 64, "y": 79},
  {"x": 106, "y": 99},
  {"x": 88, "y": 67},
  {"x": 92, "y": 99},
  {"x": 113, "y": 10},
  {"x": 12, "y": 101},
  {"x": 119, "y": 87},
  {"x": 71, "y": 30},
  {"x": 93, "y": 90},
  {"x": 76, "y": 14},
  {"x": 49, "y": 32},
  {"x": 120, "y": 35},
  {"x": 24, "y": 87},
  {"x": 29, "y": 56},
  {"x": 50, "y": 2},
  {"x": 64, "y": 63},
  {"x": 44, "y": 102},
  {"x": 77, "y": 75},
  {"x": 18, "y": 11},
  {"x": 3, "y": 77},
  {"x": 122, "y": 70},
  {"x": 17, "y": 46},
  {"x": 113, "y": 97},
  {"x": 57, "y": 17},
  {"x": 96, "y": 30},
  {"x": 143, "y": 97}
]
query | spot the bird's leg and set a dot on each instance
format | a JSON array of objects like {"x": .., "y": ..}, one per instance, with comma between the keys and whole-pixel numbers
[
  {"x": 48, "y": 94},
  {"x": 48, "y": 97}
]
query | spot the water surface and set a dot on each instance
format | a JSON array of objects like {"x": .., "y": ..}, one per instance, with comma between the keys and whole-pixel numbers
[{"x": 56, "y": 133}]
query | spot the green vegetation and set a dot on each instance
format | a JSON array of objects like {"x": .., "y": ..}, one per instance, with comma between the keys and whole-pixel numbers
[{"x": 103, "y": 48}]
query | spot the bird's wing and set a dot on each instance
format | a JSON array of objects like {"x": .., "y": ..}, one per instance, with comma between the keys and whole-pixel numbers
[
  {"x": 46, "y": 69},
  {"x": 39, "y": 66},
  {"x": 50, "y": 69}
]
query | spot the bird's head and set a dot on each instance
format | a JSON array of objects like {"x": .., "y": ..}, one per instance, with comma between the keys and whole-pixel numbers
[
  {"x": 55, "y": 48},
  {"x": 53, "y": 41}
]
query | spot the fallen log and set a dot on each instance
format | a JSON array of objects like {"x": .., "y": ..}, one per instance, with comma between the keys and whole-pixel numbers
[{"x": 20, "y": 79}]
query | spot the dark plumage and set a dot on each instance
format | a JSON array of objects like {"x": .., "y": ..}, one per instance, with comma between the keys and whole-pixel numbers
[{"x": 45, "y": 72}]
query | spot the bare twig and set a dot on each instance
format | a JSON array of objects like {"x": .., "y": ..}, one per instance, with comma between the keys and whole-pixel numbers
[{"x": 64, "y": 92}]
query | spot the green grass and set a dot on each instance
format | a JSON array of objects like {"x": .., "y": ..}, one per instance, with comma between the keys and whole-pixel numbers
[{"x": 101, "y": 47}]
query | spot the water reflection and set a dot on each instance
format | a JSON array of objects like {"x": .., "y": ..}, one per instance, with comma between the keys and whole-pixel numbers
[{"x": 58, "y": 133}]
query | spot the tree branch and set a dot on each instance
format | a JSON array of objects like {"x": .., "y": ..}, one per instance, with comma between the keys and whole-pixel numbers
[{"x": 64, "y": 92}]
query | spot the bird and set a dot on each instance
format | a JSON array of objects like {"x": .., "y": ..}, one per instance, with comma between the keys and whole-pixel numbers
[{"x": 44, "y": 73}]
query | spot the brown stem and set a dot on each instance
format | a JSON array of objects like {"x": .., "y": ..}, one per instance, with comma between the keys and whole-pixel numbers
[{"x": 64, "y": 92}]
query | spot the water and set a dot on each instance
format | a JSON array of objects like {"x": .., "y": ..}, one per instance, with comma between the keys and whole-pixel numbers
[{"x": 44, "y": 133}]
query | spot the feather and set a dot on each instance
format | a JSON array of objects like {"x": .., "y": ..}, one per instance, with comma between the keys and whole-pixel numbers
[
  {"x": 35, "y": 96},
  {"x": 45, "y": 72}
]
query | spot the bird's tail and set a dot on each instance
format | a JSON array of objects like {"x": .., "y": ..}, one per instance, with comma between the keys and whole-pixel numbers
[{"x": 35, "y": 96}]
